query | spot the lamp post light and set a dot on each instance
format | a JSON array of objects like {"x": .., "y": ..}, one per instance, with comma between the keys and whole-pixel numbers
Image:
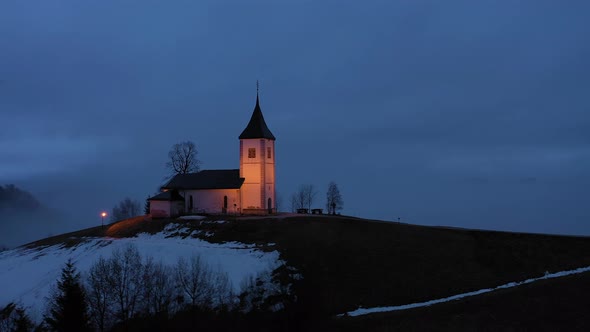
[{"x": 102, "y": 215}]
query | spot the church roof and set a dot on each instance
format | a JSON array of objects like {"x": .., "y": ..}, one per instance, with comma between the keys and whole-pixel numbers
[
  {"x": 257, "y": 127},
  {"x": 207, "y": 179},
  {"x": 170, "y": 195}
]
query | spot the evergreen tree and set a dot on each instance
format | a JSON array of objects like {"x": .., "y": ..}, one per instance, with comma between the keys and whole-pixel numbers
[
  {"x": 13, "y": 318},
  {"x": 67, "y": 307},
  {"x": 146, "y": 207},
  {"x": 22, "y": 322},
  {"x": 333, "y": 198}
]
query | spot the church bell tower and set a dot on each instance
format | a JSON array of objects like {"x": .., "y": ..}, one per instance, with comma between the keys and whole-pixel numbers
[{"x": 257, "y": 165}]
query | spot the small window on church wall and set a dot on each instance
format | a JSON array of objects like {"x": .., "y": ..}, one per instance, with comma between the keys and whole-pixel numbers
[
  {"x": 268, "y": 152},
  {"x": 252, "y": 153}
]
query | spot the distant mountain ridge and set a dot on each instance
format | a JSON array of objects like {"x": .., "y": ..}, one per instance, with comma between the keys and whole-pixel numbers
[
  {"x": 14, "y": 199},
  {"x": 23, "y": 218}
]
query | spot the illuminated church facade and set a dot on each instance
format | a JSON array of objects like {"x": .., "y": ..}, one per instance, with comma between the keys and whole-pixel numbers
[{"x": 247, "y": 190}]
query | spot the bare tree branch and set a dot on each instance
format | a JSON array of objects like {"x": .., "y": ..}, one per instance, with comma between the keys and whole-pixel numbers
[
  {"x": 310, "y": 193},
  {"x": 303, "y": 197},
  {"x": 182, "y": 158}
]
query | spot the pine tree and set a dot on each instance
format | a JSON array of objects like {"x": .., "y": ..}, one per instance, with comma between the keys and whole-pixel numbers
[
  {"x": 146, "y": 207},
  {"x": 333, "y": 198},
  {"x": 68, "y": 310},
  {"x": 22, "y": 322},
  {"x": 14, "y": 318}
]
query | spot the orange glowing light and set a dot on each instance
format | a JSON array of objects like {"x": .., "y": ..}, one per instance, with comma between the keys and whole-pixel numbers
[{"x": 104, "y": 214}]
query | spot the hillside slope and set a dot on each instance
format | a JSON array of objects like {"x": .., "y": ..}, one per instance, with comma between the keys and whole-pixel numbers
[
  {"x": 549, "y": 305},
  {"x": 31, "y": 271},
  {"x": 347, "y": 263}
]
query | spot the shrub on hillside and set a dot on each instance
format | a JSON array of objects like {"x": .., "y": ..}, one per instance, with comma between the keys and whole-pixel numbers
[
  {"x": 126, "y": 209},
  {"x": 125, "y": 287}
]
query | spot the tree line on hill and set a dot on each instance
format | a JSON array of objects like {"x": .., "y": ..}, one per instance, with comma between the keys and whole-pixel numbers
[
  {"x": 305, "y": 196},
  {"x": 125, "y": 209},
  {"x": 182, "y": 159},
  {"x": 126, "y": 289}
]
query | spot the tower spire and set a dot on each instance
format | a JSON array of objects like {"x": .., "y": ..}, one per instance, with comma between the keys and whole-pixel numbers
[{"x": 257, "y": 127}]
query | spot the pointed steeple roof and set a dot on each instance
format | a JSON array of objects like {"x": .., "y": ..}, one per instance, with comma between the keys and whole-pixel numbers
[{"x": 257, "y": 127}]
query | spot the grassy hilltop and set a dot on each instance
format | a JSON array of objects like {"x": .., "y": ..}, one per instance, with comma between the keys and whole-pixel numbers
[{"x": 350, "y": 262}]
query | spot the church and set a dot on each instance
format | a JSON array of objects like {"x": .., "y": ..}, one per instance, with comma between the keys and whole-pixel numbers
[{"x": 247, "y": 190}]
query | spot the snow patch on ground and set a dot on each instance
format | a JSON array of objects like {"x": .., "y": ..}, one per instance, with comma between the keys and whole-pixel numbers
[
  {"x": 191, "y": 218},
  {"x": 366, "y": 311},
  {"x": 215, "y": 222},
  {"x": 26, "y": 275}
]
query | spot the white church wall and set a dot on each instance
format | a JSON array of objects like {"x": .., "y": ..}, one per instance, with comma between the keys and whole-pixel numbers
[
  {"x": 160, "y": 209},
  {"x": 165, "y": 209},
  {"x": 212, "y": 201},
  {"x": 176, "y": 208}
]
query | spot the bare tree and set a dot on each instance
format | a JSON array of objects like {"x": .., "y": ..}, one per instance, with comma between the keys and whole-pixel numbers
[
  {"x": 294, "y": 202},
  {"x": 201, "y": 286},
  {"x": 158, "y": 288},
  {"x": 182, "y": 158},
  {"x": 125, "y": 281},
  {"x": 278, "y": 201},
  {"x": 303, "y": 197},
  {"x": 123, "y": 287},
  {"x": 194, "y": 280},
  {"x": 299, "y": 199},
  {"x": 224, "y": 293},
  {"x": 100, "y": 297},
  {"x": 309, "y": 194},
  {"x": 333, "y": 198},
  {"x": 126, "y": 209}
]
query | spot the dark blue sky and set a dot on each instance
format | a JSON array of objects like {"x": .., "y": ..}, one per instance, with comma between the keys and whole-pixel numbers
[{"x": 463, "y": 113}]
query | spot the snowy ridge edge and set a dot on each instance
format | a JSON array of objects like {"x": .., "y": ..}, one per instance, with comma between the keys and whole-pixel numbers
[{"x": 365, "y": 311}]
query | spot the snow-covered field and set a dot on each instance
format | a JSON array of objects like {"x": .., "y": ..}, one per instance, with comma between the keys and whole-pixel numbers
[
  {"x": 366, "y": 311},
  {"x": 26, "y": 275}
]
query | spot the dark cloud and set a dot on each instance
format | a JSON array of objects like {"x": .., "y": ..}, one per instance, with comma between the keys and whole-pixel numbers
[{"x": 435, "y": 112}]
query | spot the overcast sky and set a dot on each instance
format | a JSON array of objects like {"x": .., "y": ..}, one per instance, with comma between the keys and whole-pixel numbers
[{"x": 464, "y": 113}]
